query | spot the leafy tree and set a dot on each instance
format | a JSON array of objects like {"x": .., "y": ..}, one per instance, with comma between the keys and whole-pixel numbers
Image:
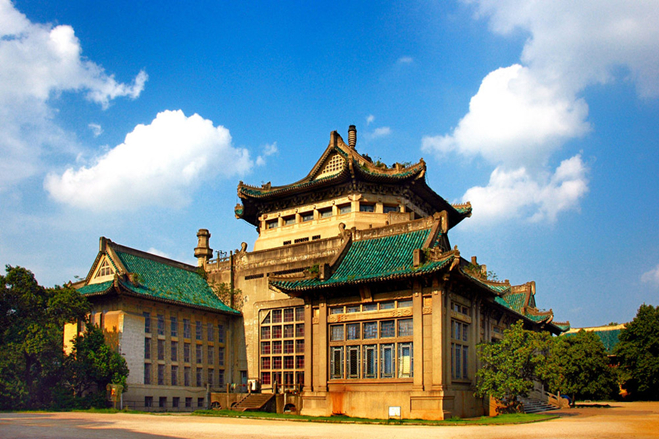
[
  {"x": 31, "y": 321},
  {"x": 93, "y": 365},
  {"x": 578, "y": 366},
  {"x": 638, "y": 353},
  {"x": 508, "y": 366}
]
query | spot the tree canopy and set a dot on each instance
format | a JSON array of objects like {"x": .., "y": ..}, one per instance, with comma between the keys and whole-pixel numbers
[{"x": 638, "y": 353}]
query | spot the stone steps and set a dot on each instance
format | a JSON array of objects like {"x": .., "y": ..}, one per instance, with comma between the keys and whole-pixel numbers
[{"x": 253, "y": 401}]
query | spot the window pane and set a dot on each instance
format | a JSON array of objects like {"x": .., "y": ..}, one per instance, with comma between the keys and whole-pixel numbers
[
  {"x": 174, "y": 327},
  {"x": 405, "y": 303},
  {"x": 387, "y": 361},
  {"x": 174, "y": 351},
  {"x": 276, "y": 347},
  {"x": 405, "y": 327},
  {"x": 370, "y": 361},
  {"x": 336, "y": 332},
  {"x": 405, "y": 364},
  {"x": 354, "y": 308},
  {"x": 353, "y": 362},
  {"x": 276, "y": 316},
  {"x": 265, "y": 332},
  {"x": 387, "y": 329},
  {"x": 288, "y": 346},
  {"x": 299, "y": 330},
  {"x": 352, "y": 330},
  {"x": 299, "y": 314},
  {"x": 371, "y": 330},
  {"x": 289, "y": 314},
  {"x": 288, "y": 331},
  {"x": 336, "y": 362},
  {"x": 369, "y": 307},
  {"x": 276, "y": 331},
  {"x": 299, "y": 346},
  {"x": 265, "y": 348},
  {"x": 387, "y": 305}
]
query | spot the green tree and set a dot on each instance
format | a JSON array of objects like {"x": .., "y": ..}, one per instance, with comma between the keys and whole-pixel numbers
[
  {"x": 638, "y": 353},
  {"x": 32, "y": 318},
  {"x": 93, "y": 365},
  {"x": 508, "y": 366},
  {"x": 578, "y": 366}
]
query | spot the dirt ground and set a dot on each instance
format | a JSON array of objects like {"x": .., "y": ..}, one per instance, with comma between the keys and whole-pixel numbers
[{"x": 621, "y": 420}]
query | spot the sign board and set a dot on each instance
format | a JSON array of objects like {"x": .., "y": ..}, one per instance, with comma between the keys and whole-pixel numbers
[{"x": 394, "y": 412}]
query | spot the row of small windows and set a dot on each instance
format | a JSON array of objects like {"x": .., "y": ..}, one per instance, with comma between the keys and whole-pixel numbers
[
  {"x": 176, "y": 401},
  {"x": 365, "y": 307},
  {"x": 187, "y": 328},
  {"x": 385, "y": 360},
  {"x": 371, "y": 330},
  {"x": 187, "y": 376},
  {"x": 174, "y": 352},
  {"x": 328, "y": 212}
]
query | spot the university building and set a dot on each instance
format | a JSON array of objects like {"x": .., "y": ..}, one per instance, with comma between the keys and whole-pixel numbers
[{"x": 353, "y": 301}]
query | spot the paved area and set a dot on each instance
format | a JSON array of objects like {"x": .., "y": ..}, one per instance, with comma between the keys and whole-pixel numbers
[{"x": 622, "y": 420}]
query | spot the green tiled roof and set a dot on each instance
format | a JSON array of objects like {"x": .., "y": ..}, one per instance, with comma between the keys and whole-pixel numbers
[
  {"x": 164, "y": 281},
  {"x": 95, "y": 288},
  {"x": 609, "y": 338},
  {"x": 496, "y": 288},
  {"x": 515, "y": 300},
  {"x": 373, "y": 259}
]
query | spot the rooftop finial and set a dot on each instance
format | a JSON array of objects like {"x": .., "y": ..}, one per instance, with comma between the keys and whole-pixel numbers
[{"x": 352, "y": 136}]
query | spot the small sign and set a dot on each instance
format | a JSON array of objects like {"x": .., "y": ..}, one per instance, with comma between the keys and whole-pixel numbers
[{"x": 394, "y": 412}]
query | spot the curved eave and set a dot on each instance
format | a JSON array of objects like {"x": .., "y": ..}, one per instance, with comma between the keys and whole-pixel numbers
[
  {"x": 369, "y": 172},
  {"x": 497, "y": 288},
  {"x": 296, "y": 291}
]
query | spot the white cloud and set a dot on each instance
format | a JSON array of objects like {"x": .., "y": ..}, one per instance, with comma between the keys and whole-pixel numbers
[
  {"x": 37, "y": 63},
  {"x": 157, "y": 252},
  {"x": 377, "y": 133},
  {"x": 405, "y": 60},
  {"x": 651, "y": 277},
  {"x": 523, "y": 114},
  {"x": 159, "y": 164},
  {"x": 96, "y": 129},
  {"x": 519, "y": 194},
  {"x": 268, "y": 150},
  {"x": 370, "y": 119}
]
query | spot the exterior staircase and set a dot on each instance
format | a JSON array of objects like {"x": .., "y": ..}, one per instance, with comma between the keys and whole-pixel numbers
[
  {"x": 253, "y": 401},
  {"x": 536, "y": 406}
]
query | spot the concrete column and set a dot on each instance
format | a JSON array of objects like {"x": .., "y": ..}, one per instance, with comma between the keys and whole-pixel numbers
[
  {"x": 323, "y": 351},
  {"x": 475, "y": 338},
  {"x": 417, "y": 313},
  {"x": 308, "y": 346},
  {"x": 438, "y": 363},
  {"x": 446, "y": 336}
]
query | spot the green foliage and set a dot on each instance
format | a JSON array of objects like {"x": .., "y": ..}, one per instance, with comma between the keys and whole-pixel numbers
[
  {"x": 638, "y": 353},
  {"x": 93, "y": 365},
  {"x": 508, "y": 366},
  {"x": 230, "y": 297},
  {"x": 32, "y": 318},
  {"x": 578, "y": 366}
]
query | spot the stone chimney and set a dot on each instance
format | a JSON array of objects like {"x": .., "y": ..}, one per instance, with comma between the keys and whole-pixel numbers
[
  {"x": 352, "y": 136},
  {"x": 203, "y": 252}
]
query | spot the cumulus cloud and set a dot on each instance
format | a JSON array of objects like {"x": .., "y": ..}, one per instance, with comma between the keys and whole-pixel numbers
[
  {"x": 524, "y": 113},
  {"x": 37, "y": 63},
  {"x": 268, "y": 150},
  {"x": 377, "y": 133},
  {"x": 405, "y": 60},
  {"x": 370, "y": 119},
  {"x": 155, "y": 251},
  {"x": 159, "y": 164},
  {"x": 651, "y": 277}
]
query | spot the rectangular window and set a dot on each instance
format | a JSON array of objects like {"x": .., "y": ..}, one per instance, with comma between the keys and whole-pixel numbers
[
  {"x": 211, "y": 355},
  {"x": 174, "y": 375},
  {"x": 325, "y": 213},
  {"x": 174, "y": 351},
  {"x": 405, "y": 360},
  {"x": 289, "y": 315},
  {"x": 148, "y": 401},
  {"x": 370, "y": 330},
  {"x": 276, "y": 362},
  {"x": 299, "y": 330},
  {"x": 299, "y": 362},
  {"x": 370, "y": 361},
  {"x": 276, "y": 316},
  {"x": 265, "y": 348},
  {"x": 211, "y": 373},
  {"x": 161, "y": 374},
  {"x": 147, "y": 373},
  {"x": 220, "y": 333},
  {"x": 161, "y": 349},
  {"x": 405, "y": 328},
  {"x": 336, "y": 362},
  {"x": 387, "y": 329},
  {"x": 200, "y": 403},
  {"x": 210, "y": 332},
  {"x": 276, "y": 331},
  {"x": 336, "y": 333},
  {"x": 405, "y": 303},
  {"x": 289, "y": 331},
  {"x": 265, "y": 363},
  {"x": 336, "y": 310},
  {"x": 147, "y": 322},
  {"x": 186, "y": 328},
  {"x": 186, "y": 376},
  {"x": 307, "y": 216},
  {"x": 353, "y": 361},
  {"x": 352, "y": 308},
  {"x": 289, "y": 362},
  {"x": 299, "y": 346},
  {"x": 289, "y": 220},
  {"x": 186, "y": 352},
  {"x": 265, "y": 378},
  {"x": 363, "y": 207},
  {"x": 199, "y": 354},
  {"x": 161, "y": 324},
  {"x": 162, "y": 402},
  {"x": 220, "y": 378},
  {"x": 147, "y": 348},
  {"x": 265, "y": 332},
  {"x": 220, "y": 356},
  {"x": 188, "y": 402},
  {"x": 199, "y": 376},
  {"x": 174, "y": 326},
  {"x": 353, "y": 331},
  {"x": 389, "y": 208},
  {"x": 288, "y": 346},
  {"x": 276, "y": 347},
  {"x": 299, "y": 314},
  {"x": 386, "y": 361},
  {"x": 346, "y": 208},
  {"x": 198, "y": 330},
  {"x": 369, "y": 307},
  {"x": 175, "y": 401},
  {"x": 387, "y": 305},
  {"x": 272, "y": 224}
]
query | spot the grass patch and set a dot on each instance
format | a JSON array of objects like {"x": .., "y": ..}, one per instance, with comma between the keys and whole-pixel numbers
[{"x": 517, "y": 418}]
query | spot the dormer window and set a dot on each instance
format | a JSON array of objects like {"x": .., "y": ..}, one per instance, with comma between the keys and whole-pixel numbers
[
  {"x": 346, "y": 208},
  {"x": 364, "y": 207},
  {"x": 307, "y": 216},
  {"x": 273, "y": 224},
  {"x": 289, "y": 220},
  {"x": 105, "y": 269}
]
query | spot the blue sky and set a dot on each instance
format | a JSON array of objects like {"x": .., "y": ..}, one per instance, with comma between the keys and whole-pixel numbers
[{"x": 136, "y": 120}]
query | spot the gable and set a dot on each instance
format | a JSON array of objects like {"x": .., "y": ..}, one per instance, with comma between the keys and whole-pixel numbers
[
  {"x": 332, "y": 166},
  {"x": 104, "y": 271}
]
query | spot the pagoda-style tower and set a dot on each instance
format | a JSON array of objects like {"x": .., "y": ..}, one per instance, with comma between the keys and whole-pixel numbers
[{"x": 343, "y": 187}]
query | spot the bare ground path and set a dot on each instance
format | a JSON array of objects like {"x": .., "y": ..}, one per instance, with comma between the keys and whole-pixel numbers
[{"x": 622, "y": 420}]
